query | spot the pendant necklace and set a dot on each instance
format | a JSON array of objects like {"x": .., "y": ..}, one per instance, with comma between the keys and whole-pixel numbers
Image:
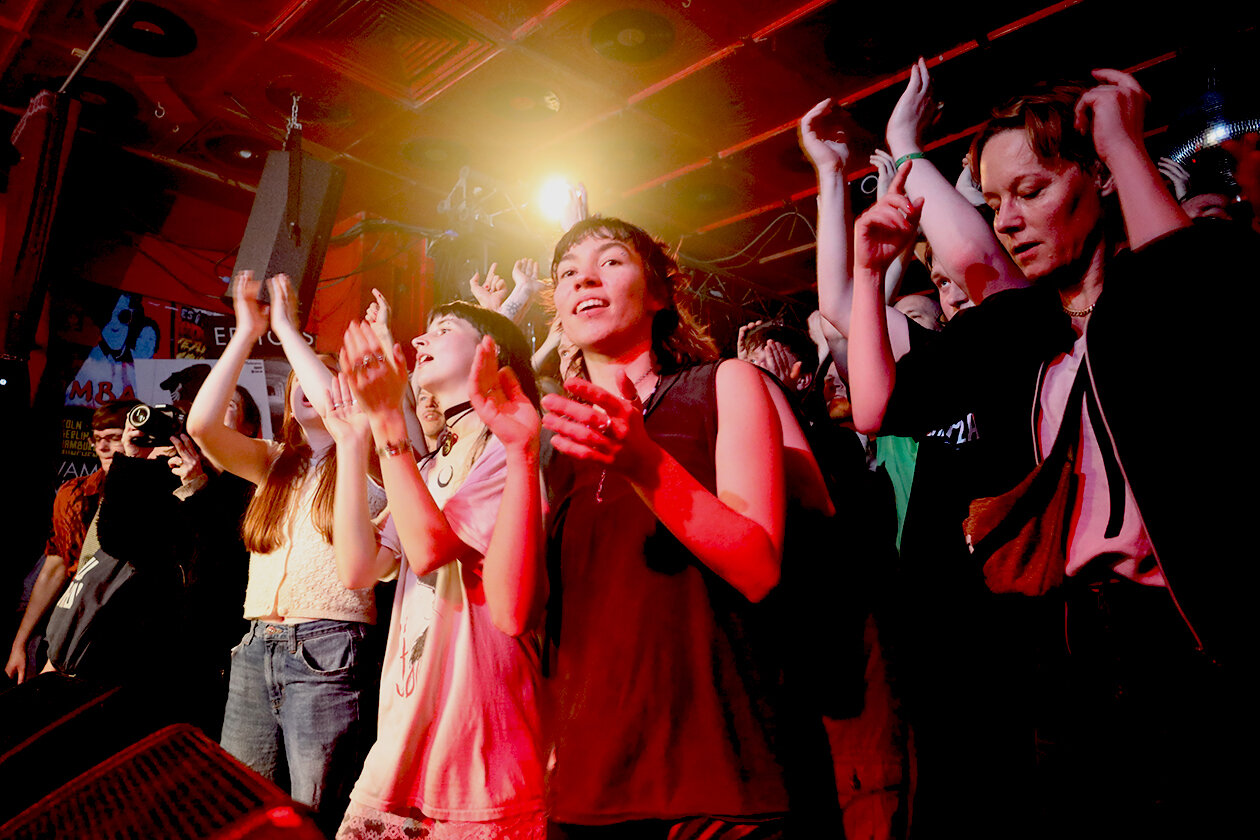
[{"x": 448, "y": 438}]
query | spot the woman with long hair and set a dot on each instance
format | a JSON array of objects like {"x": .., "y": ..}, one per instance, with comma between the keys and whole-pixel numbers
[
  {"x": 666, "y": 526},
  {"x": 459, "y": 752},
  {"x": 299, "y": 676}
]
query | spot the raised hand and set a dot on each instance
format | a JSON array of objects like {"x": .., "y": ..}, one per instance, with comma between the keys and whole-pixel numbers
[
  {"x": 598, "y": 425},
  {"x": 742, "y": 350},
  {"x": 1177, "y": 174},
  {"x": 377, "y": 385},
  {"x": 913, "y": 112},
  {"x": 342, "y": 417},
  {"x": 377, "y": 317},
  {"x": 525, "y": 273},
  {"x": 252, "y": 317},
  {"x": 885, "y": 169},
  {"x": 575, "y": 210},
  {"x": 888, "y": 226},
  {"x": 1113, "y": 113},
  {"x": 966, "y": 185},
  {"x": 497, "y": 398},
  {"x": 827, "y": 148},
  {"x": 776, "y": 359},
  {"x": 283, "y": 304},
  {"x": 490, "y": 294}
]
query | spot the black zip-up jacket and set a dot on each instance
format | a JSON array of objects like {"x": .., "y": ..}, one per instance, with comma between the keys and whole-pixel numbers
[{"x": 1167, "y": 365}]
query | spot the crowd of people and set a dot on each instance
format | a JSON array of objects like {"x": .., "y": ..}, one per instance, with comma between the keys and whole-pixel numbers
[{"x": 930, "y": 565}]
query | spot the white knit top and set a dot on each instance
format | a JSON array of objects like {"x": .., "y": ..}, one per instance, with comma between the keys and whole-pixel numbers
[{"x": 298, "y": 580}]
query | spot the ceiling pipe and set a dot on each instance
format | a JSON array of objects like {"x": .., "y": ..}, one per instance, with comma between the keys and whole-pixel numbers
[{"x": 87, "y": 55}]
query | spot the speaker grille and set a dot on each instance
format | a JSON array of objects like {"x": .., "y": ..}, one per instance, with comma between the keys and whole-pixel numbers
[{"x": 174, "y": 784}]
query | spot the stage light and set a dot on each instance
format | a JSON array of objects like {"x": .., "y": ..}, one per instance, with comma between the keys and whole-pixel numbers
[{"x": 553, "y": 197}]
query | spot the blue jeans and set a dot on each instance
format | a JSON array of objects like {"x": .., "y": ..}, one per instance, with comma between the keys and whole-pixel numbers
[{"x": 294, "y": 700}]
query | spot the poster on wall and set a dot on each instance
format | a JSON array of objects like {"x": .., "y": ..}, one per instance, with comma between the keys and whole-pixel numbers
[{"x": 119, "y": 345}]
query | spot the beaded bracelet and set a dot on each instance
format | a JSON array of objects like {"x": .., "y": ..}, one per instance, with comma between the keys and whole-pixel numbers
[{"x": 912, "y": 156}]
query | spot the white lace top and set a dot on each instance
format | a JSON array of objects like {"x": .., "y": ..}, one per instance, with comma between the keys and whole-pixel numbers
[{"x": 298, "y": 580}]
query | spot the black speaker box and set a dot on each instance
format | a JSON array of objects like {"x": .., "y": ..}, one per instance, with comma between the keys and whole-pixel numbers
[{"x": 270, "y": 246}]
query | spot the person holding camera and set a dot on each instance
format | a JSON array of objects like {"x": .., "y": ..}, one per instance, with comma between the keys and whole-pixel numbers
[
  {"x": 73, "y": 509},
  {"x": 131, "y": 569}
]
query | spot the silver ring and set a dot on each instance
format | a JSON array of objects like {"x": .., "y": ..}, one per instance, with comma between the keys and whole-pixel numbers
[
  {"x": 379, "y": 357},
  {"x": 366, "y": 360}
]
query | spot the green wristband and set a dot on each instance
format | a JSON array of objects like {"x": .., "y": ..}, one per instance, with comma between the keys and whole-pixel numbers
[{"x": 904, "y": 158}]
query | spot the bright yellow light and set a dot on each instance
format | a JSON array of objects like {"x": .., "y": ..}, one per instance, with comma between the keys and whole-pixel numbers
[{"x": 553, "y": 198}]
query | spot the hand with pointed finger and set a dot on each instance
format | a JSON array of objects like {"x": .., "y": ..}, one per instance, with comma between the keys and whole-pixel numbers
[
  {"x": 252, "y": 317},
  {"x": 492, "y": 293},
  {"x": 376, "y": 385},
  {"x": 597, "y": 425},
  {"x": 342, "y": 416},
  {"x": 497, "y": 398},
  {"x": 826, "y": 146},
  {"x": 887, "y": 227},
  {"x": 1113, "y": 113}
]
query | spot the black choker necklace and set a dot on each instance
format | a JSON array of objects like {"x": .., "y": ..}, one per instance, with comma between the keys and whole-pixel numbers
[
  {"x": 452, "y": 415},
  {"x": 462, "y": 408}
]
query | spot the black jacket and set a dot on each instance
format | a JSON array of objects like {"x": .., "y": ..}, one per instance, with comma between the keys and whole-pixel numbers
[{"x": 1166, "y": 368}]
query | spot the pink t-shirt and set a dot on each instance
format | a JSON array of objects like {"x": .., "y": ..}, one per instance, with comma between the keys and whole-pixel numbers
[
  {"x": 1129, "y": 553},
  {"x": 459, "y": 735}
]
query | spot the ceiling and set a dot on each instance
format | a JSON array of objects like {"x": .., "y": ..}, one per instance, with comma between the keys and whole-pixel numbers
[{"x": 679, "y": 116}]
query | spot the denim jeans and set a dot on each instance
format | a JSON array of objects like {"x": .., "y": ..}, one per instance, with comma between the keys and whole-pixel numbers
[{"x": 294, "y": 700}]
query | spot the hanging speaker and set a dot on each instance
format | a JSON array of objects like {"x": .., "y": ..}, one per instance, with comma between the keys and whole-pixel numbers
[{"x": 291, "y": 237}]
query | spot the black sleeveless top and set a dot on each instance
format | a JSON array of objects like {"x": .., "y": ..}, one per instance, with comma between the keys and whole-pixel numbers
[{"x": 665, "y": 678}]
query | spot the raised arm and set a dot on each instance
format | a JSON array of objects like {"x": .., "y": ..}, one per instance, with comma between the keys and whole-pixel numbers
[
  {"x": 311, "y": 373},
  {"x": 377, "y": 317},
  {"x": 880, "y": 234},
  {"x": 737, "y": 532},
  {"x": 361, "y": 561},
  {"x": 525, "y": 275},
  {"x": 829, "y": 156},
  {"x": 1113, "y": 113},
  {"x": 427, "y": 539},
  {"x": 514, "y": 574},
  {"x": 960, "y": 237},
  {"x": 227, "y": 448}
]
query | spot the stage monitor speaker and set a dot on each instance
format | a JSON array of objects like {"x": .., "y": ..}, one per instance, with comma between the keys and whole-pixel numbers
[
  {"x": 270, "y": 246},
  {"x": 175, "y": 784}
]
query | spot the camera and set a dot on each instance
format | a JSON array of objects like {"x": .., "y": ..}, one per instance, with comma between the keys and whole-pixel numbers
[{"x": 157, "y": 424}]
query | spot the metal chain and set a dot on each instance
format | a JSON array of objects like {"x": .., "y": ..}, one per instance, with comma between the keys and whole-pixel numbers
[{"x": 293, "y": 118}]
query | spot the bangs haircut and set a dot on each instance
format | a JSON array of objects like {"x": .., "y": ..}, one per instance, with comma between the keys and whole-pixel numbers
[
  {"x": 513, "y": 349},
  {"x": 678, "y": 339}
]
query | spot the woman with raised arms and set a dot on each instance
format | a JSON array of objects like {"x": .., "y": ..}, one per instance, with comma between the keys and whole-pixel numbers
[{"x": 459, "y": 751}]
